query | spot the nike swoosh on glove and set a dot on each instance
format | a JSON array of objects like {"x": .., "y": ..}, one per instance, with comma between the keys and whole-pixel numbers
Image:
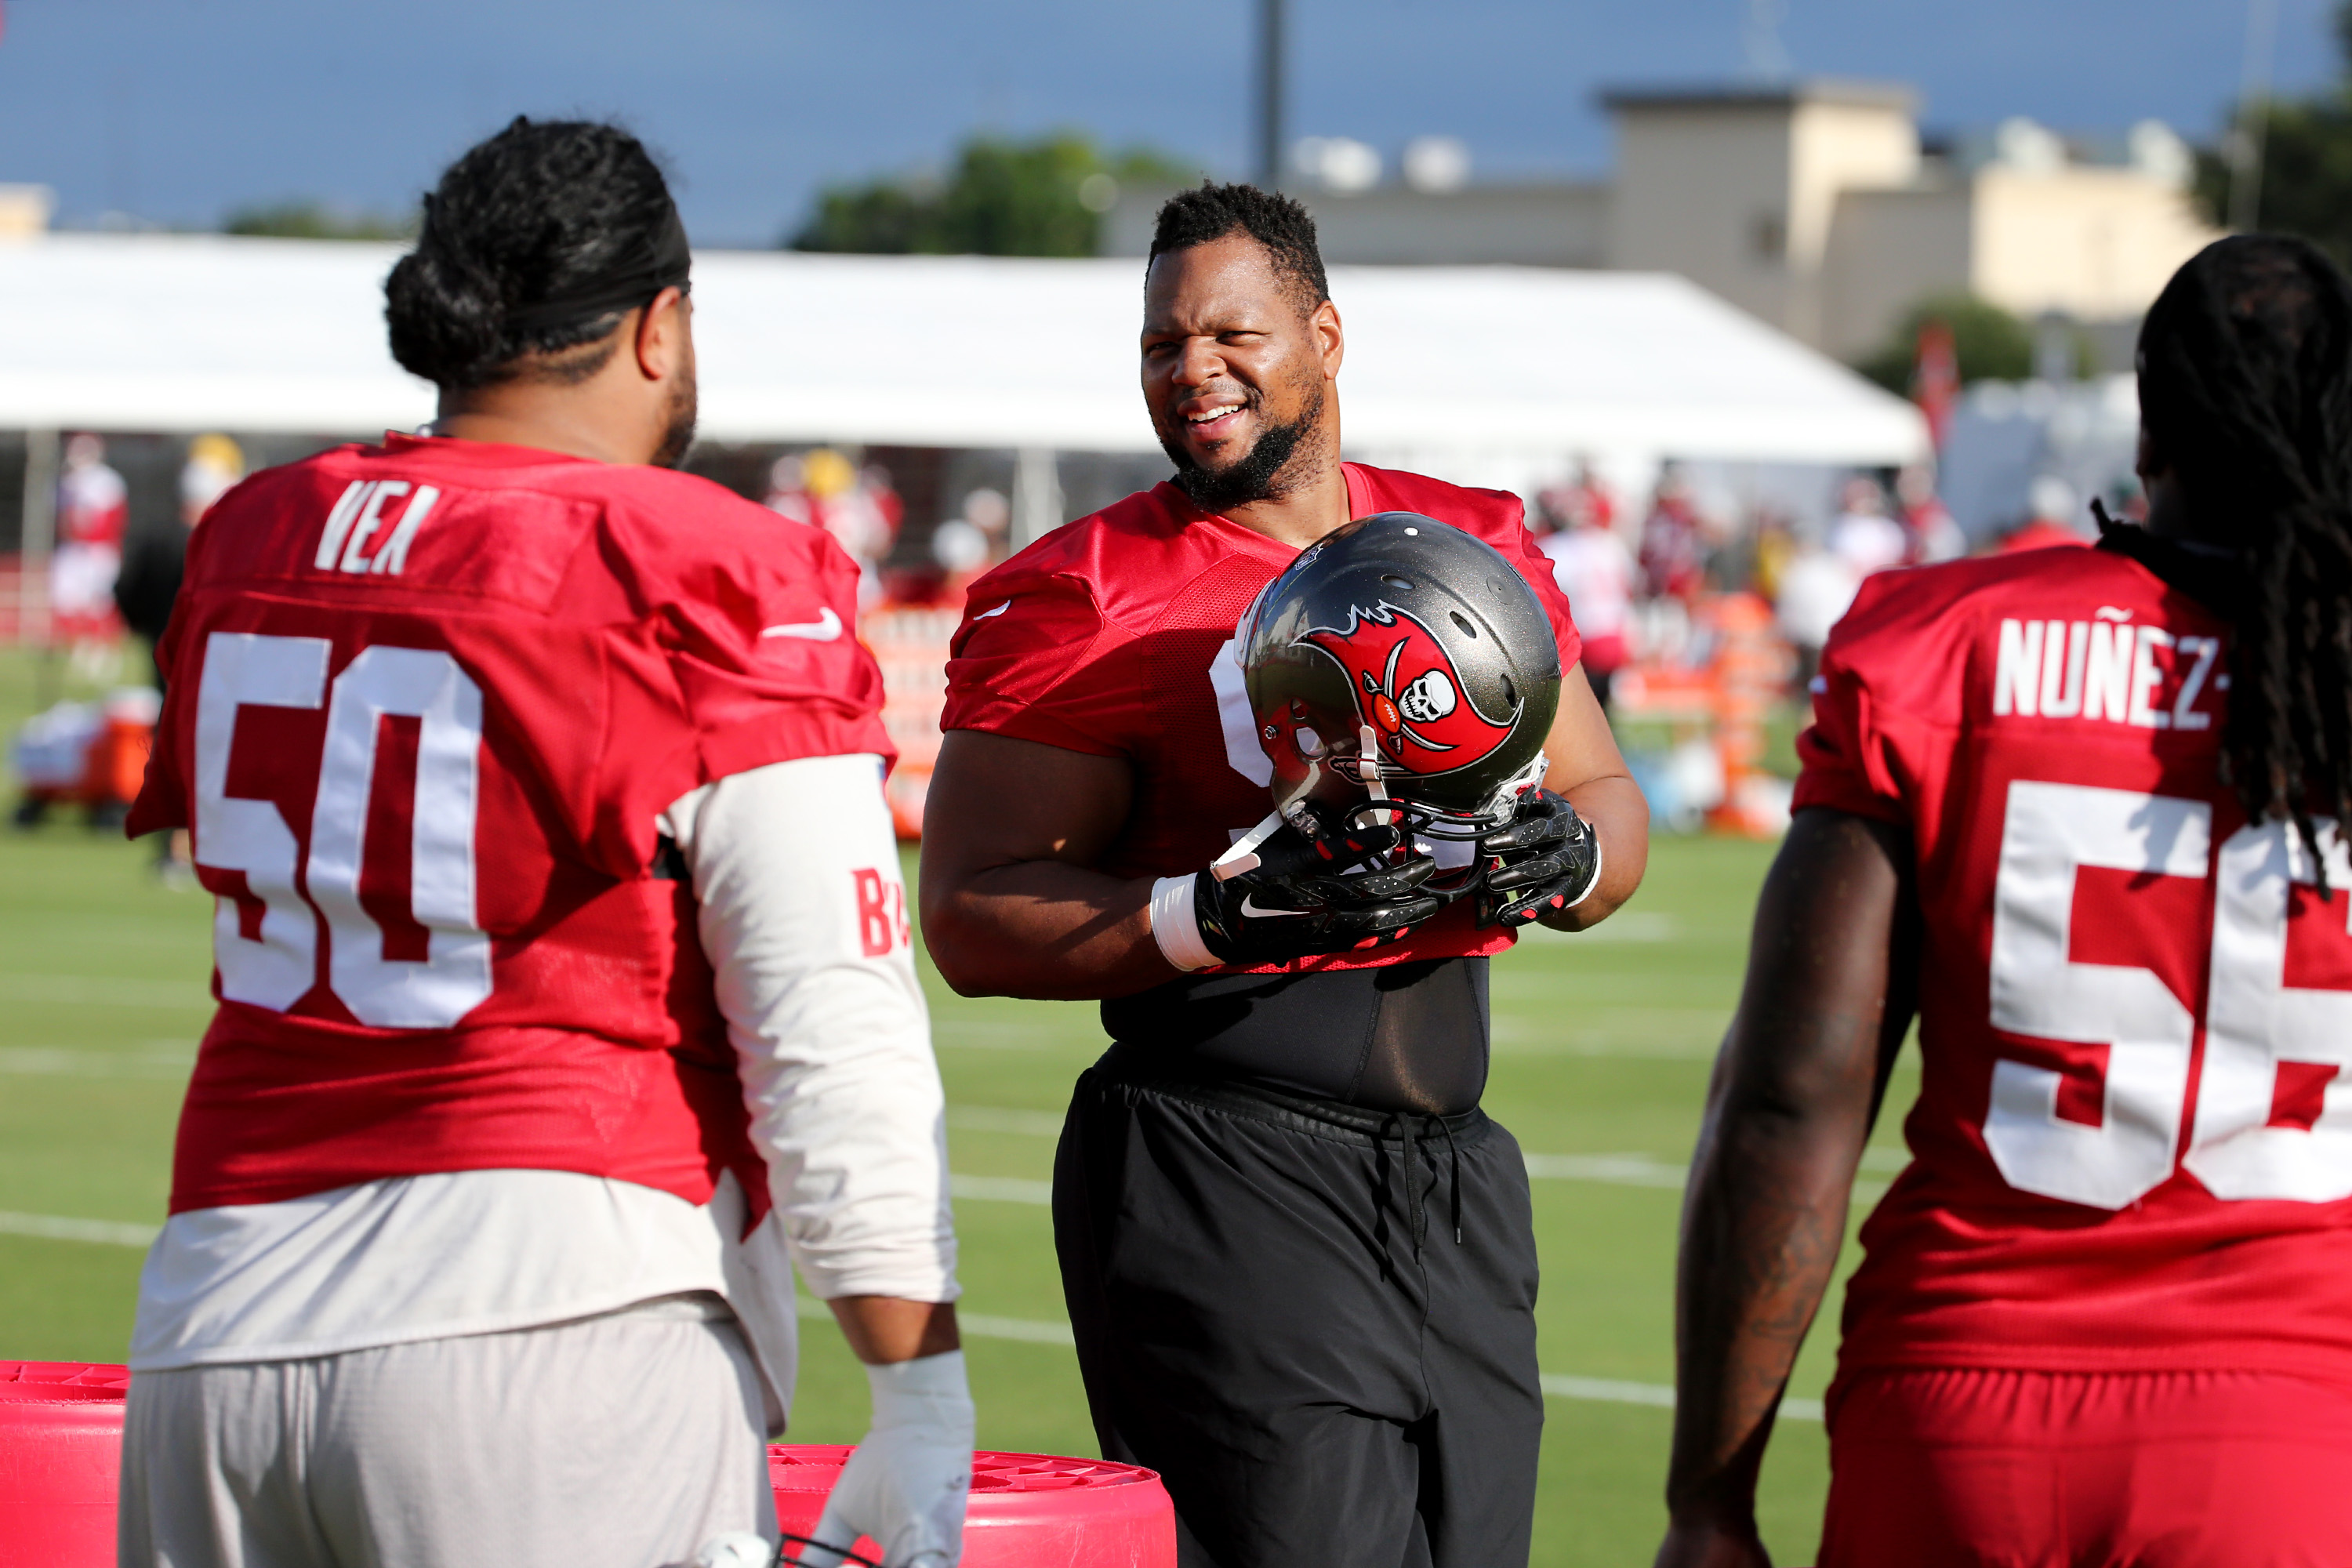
[
  {"x": 905, "y": 1484},
  {"x": 1547, "y": 859},
  {"x": 1341, "y": 890}
]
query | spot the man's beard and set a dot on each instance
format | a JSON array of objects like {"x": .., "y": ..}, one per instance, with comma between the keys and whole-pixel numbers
[
  {"x": 677, "y": 435},
  {"x": 1252, "y": 478}
]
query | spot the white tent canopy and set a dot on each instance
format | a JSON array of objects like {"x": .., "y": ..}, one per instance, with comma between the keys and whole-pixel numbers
[{"x": 1472, "y": 372}]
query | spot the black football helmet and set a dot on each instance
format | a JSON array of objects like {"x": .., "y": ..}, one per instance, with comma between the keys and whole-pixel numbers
[{"x": 1401, "y": 660}]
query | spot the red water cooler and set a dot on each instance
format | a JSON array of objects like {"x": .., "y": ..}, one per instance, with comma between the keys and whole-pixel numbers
[
  {"x": 62, "y": 1437},
  {"x": 1027, "y": 1511},
  {"x": 60, "y": 1446}
]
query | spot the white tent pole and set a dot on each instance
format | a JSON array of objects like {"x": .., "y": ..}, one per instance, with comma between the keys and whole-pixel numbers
[
  {"x": 1036, "y": 495},
  {"x": 39, "y": 537}
]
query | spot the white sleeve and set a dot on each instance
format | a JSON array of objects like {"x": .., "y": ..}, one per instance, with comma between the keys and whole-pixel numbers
[{"x": 803, "y": 916}]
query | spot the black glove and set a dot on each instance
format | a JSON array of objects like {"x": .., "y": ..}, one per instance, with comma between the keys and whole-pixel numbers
[
  {"x": 1547, "y": 859},
  {"x": 1342, "y": 888}
]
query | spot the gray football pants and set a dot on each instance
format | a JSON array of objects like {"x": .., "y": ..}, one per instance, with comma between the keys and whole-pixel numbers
[{"x": 622, "y": 1441}]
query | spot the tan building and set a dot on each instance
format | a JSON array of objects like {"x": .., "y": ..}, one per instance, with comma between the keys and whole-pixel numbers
[
  {"x": 24, "y": 210},
  {"x": 1811, "y": 207}
]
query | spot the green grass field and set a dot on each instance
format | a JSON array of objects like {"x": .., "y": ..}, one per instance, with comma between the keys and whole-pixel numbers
[{"x": 1602, "y": 1044}]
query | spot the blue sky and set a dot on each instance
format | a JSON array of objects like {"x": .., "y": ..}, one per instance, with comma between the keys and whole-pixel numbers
[{"x": 179, "y": 111}]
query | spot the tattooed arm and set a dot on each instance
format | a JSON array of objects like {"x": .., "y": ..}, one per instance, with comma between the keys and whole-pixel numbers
[{"x": 1829, "y": 994}]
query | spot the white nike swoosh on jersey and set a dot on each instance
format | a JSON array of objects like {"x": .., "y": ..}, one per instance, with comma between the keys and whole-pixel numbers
[
  {"x": 1250, "y": 907},
  {"x": 998, "y": 611},
  {"x": 825, "y": 628}
]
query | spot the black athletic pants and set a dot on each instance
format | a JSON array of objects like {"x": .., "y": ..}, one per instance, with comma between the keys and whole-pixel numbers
[{"x": 1273, "y": 1310}]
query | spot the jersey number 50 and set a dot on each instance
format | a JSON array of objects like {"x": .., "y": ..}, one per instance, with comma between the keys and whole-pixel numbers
[
  {"x": 275, "y": 968},
  {"x": 2257, "y": 1028}
]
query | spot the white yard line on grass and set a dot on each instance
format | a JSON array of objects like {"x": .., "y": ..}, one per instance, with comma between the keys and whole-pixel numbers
[
  {"x": 54, "y": 1227},
  {"x": 1610, "y": 1391},
  {"x": 1618, "y": 1170},
  {"x": 1646, "y": 1170},
  {"x": 1003, "y": 1119},
  {"x": 1002, "y": 1189},
  {"x": 43, "y": 1061}
]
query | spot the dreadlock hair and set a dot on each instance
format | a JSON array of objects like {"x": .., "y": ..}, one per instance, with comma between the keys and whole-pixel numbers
[
  {"x": 540, "y": 210},
  {"x": 1280, "y": 224},
  {"x": 2245, "y": 391}
]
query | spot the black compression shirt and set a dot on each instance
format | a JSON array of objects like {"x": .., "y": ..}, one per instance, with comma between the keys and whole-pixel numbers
[{"x": 1406, "y": 1036}]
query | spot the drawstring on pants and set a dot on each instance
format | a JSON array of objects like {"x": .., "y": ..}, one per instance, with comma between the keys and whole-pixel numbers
[
  {"x": 1405, "y": 1131},
  {"x": 1455, "y": 1198}
]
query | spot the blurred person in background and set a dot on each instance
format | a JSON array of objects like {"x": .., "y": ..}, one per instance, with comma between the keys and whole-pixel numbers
[
  {"x": 1775, "y": 547},
  {"x": 1816, "y": 586},
  {"x": 2052, "y": 507},
  {"x": 861, "y": 510},
  {"x": 969, "y": 543},
  {"x": 788, "y": 490},
  {"x": 94, "y": 514},
  {"x": 1932, "y": 534},
  {"x": 1599, "y": 575},
  {"x": 1863, "y": 536},
  {"x": 149, "y": 586},
  {"x": 150, "y": 580},
  {"x": 1583, "y": 497},
  {"x": 1673, "y": 554}
]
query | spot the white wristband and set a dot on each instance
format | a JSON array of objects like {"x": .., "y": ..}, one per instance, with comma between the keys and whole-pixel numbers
[
  {"x": 1595, "y": 882},
  {"x": 1174, "y": 926}
]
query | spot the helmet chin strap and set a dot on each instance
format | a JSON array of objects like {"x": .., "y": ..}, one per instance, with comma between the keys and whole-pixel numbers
[
  {"x": 1367, "y": 763},
  {"x": 1243, "y": 857}
]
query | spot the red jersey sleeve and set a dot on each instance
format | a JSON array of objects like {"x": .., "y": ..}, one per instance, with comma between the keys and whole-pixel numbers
[
  {"x": 1890, "y": 676},
  {"x": 747, "y": 655},
  {"x": 1497, "y": 517},
  {"x": 1036, "y": 659},
  {"x": 1518, "y": 547}
]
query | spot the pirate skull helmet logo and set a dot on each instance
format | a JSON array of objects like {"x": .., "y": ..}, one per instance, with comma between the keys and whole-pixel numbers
[
  {"x": 1419, "y": 636},
  {"x": 1407, "y": 690}
]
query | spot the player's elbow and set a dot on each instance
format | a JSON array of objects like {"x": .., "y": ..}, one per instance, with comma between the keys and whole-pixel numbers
[{"x": 963, "y": 949}]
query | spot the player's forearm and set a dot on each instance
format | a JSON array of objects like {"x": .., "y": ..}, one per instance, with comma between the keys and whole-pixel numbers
[
  {"x": 1045, "y": 930},
  {"x": 1762, "y": 1229},
  {"x": 1791, "y": 1106},
  {"x": 884, "y": 1330},
  {"x": 1620, "y": 819}
]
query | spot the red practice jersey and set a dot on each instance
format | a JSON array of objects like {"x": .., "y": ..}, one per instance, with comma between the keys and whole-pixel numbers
[
  {"x": 428, "y": 700},
  {"x": 2132, "y": 1146},
  {"x": 1114, "y": 636}
]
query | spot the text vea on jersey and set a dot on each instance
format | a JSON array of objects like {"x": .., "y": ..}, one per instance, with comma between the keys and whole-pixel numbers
[
  {"x": 2106, "y": 669},
  {"x": 357, "y": 517}
]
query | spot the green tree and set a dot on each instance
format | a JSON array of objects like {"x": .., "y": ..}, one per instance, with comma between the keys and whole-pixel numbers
[
  {"x": 1043, "y": 197},
  {"x": 2306, "y": 174},
  {"x": 1990, "y": 344},
  {"x": 315, "y": 220}
]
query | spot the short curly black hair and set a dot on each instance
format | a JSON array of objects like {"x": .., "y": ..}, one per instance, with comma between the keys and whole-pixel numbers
[
  {"x": 531, "y": 214},
  {"x": 1276, "y": 222}
]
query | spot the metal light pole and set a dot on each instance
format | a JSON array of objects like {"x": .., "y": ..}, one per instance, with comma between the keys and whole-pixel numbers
[
  {"x": 1269, "y": 94},
  {"x": 2254, "y": 116}
]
